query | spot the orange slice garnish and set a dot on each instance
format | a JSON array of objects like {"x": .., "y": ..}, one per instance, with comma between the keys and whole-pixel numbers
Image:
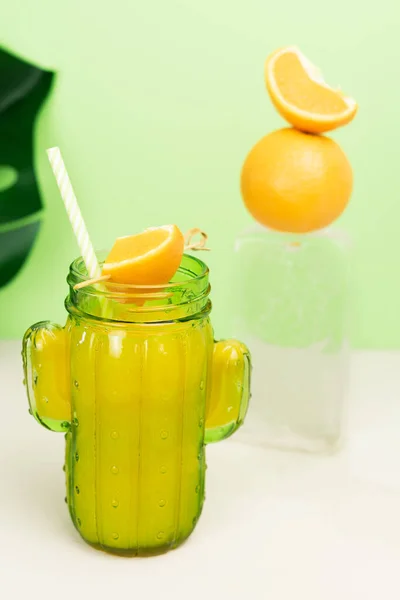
[
  {"x": 301, "y": 96},
  {"x": 150, "y": 257}
]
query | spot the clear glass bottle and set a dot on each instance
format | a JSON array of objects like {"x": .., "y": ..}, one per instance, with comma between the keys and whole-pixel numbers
[
  {"x": 139, "y": 394},
  {"x": 292, "y": 311}
]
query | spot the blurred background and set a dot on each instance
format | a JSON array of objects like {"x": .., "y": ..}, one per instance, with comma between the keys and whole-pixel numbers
[{"x": 155, "y": 106}]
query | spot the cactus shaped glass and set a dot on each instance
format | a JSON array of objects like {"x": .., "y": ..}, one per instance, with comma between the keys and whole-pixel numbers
[{"x": 138, "y": 385}]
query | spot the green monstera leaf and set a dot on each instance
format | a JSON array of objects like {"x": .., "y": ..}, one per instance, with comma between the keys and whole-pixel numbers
[{"x": 23, "y": 89}]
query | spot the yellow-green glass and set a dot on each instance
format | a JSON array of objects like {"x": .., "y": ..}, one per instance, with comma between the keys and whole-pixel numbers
[{"x": 139, "y": 396}]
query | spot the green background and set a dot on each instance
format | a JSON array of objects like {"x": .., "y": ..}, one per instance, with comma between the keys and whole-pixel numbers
[{"x": 157, "y": 103}]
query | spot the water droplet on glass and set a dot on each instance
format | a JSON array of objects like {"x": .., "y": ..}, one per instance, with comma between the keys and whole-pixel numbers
[
  {"x": 76, "y": 456},
  {"x": 201, "y": 422},
  {"x": 77, "y": 489},
  {"x": 162, "y": 503},
  {"x": 114, "y": 470},
  {"x": 45, "y": 400},
  {"x": 197, "y": 489},
  {"x": 114, "y": 434},
  {"x": 30, "y": 411},
  {"x": 76, "y": 384},
  {"x": 163, "y": 434},
  {"x": 160, "y": 535},
  {"x": 163, "y": 469},
  {"x": 115, "y": 535},
  {"x": 24, "y": 381},
  {"x": 115, "y": 503},
  {"x": 65, "y": 500},
  {"x": 64, "y": 468},
  {"x": 79, "y": 521},
  {"x": 35, "y": 378},
  {"x": 75, "y": 422},
  {"x": 202, "y": 385}
]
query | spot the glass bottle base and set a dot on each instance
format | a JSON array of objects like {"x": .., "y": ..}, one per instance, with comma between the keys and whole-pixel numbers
[
  {"x": 286, "y": 440},
  {"x": 299, "y": 399}
]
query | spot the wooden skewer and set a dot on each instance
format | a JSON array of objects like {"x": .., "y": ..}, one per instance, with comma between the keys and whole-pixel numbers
[
  {"x": 150, "y": 296},
  {"x": 201, "y": 244},
  {"x": 189, "y": 245},
  {"x": 83, "y": 284}
]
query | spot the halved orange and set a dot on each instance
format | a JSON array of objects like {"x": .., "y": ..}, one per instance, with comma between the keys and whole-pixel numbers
[
  {"x": 150, "y": 257},
  {"x": 301, "y": 96}
]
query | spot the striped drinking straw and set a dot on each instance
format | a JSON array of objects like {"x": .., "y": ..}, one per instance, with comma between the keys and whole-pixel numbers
[{"x": 74, "y": 212}]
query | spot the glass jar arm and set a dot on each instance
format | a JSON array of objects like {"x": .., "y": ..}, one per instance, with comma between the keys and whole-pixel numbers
[
  {"x": 229, "y": 394},
  {"x": 45, "y": 350}
]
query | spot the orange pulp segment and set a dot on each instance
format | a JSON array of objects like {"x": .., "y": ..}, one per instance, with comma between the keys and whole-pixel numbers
[
  {"x": 302, "y": 97},
  {"x": 150, "y": 257}
]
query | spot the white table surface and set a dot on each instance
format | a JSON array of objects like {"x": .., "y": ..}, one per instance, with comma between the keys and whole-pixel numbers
[{"x": 275, "y": 525}]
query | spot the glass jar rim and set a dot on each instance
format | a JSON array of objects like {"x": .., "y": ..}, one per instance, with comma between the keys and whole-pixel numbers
[
  {"x": 186, "y": 295},
  {"x": 78, "y": 274}
]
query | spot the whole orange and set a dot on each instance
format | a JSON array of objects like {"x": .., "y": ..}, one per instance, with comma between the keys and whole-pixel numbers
[{"x": 296, "y": 182}]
